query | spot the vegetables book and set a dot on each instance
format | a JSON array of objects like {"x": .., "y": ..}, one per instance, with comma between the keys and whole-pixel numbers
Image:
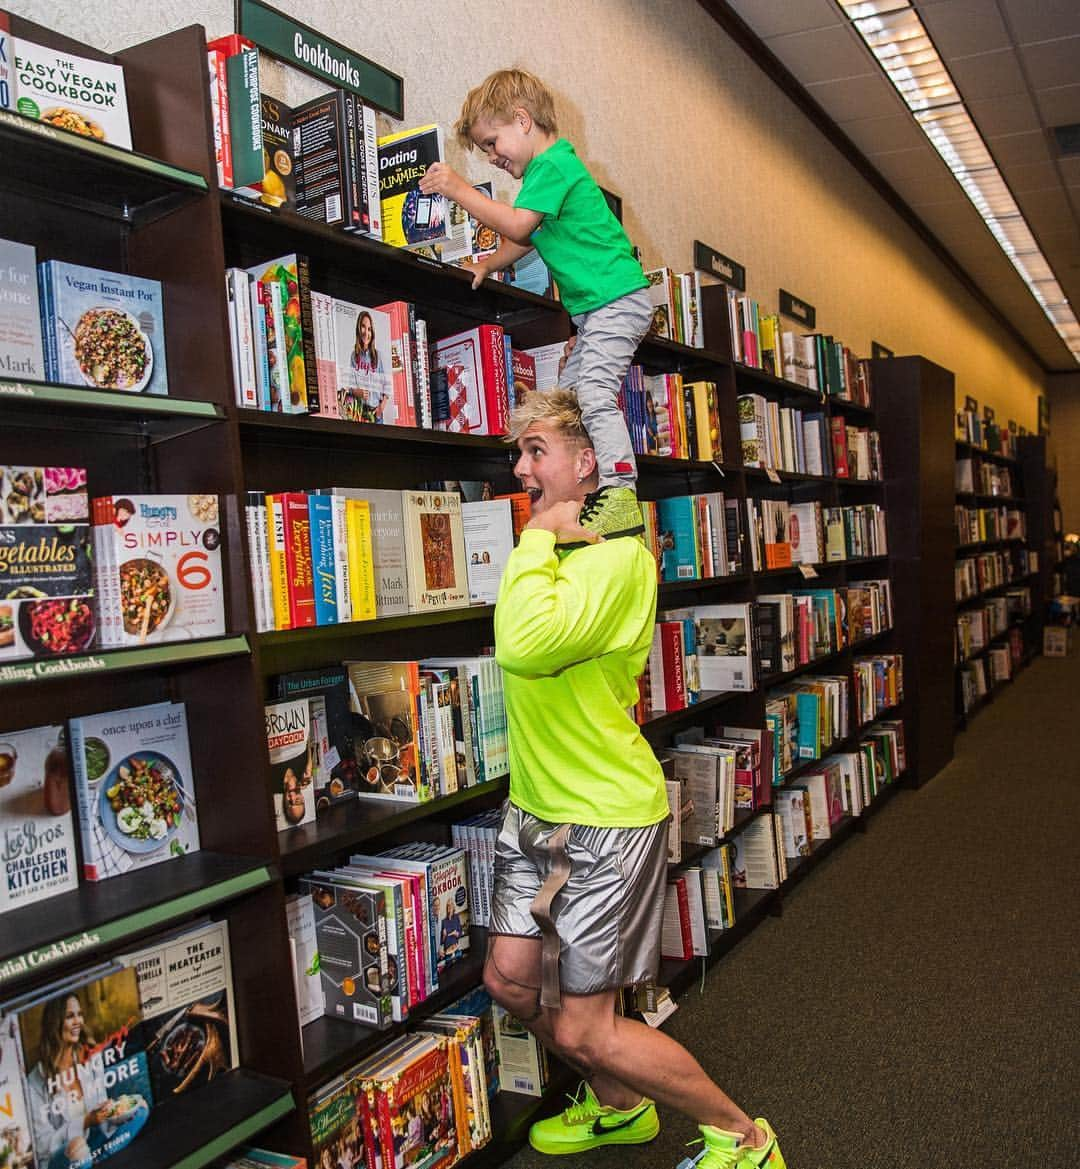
[{"x": 134, "y": 787}]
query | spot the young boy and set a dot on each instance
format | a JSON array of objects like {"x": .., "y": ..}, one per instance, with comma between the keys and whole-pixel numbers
[{"x": 563, "y": 214}]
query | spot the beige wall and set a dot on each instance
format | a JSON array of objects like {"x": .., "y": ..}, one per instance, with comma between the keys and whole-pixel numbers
[{"x": 672, "y": 116}]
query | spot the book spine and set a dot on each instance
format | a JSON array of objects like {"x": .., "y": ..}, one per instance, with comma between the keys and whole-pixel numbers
[
  {"x": 342, "y": 575},
  {"x": 423, "y": 376},
  {"x": 350, "y": 176},
  {"x": 371, "y": 163},
  {"x": 493, "y": 371},
  {"x": 245, "y": 121},
  {"x": 671, "y": 641},
  {"x": 323, "y": 569},
  {"x": 279, "y": 578},
  {"x": 219, "y": 97},
  {"x": 307, "y": 333},
  {"x": 361, "y": 561},
  {"x": 298, "y": 565}
]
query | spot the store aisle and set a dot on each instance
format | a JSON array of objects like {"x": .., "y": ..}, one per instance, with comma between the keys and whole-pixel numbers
[{"x": 917, "y": 1006}]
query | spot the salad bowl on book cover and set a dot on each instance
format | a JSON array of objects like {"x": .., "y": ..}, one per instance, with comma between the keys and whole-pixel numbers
[{"x": 142, "y": 801}]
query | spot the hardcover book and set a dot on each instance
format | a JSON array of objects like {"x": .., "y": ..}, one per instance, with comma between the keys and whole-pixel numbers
[
  {"x": 435, "y": 550},
  {"x": 362, "y": 346},
  {"x": 385, "y": 695},
  {"x": 77, "y": 94},
  {"x": 409, "y": 216},
  {"x": 86, "y": 1110},
  {"x": 134, "y": 788},
  {"x": 159, "y": 570},
  {"x": 387, "y": 547},
  {"x": 295, "y": 333},
  {"x": 37, "y": 834},
  {"x": 21, "y": 351},
  {"x": 472, "y": 368},
  {"x": 488, "y": 528},
  {"x": 279, "y": 176},
  {"x": 103, "y": 329},
  {"x": 188, "y": 1030},
  {"x": 291, "y": 770}
]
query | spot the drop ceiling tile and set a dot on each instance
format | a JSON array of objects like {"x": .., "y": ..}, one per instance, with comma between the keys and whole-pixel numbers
[
  {"x": 1052, "y": 63},
  {"x": 771, "y": 18},
  {"x": 823, "y": 54},
  {"x": 918, "y": 175},
  {"x": 1047, "y": 209},
  {"x": 1060, "y": 106},
  {"x": 1070, "y": 171},
  {"x": 953, "y": 218},
  {"x": 878, "y": 135},
  {"x": 1042, "y": 21},
  {"x": 1018, "y": 149},
  {"x": 1015, "y": 114},
  {"x": 962, "y": 27},
  {"x": 857, "y": 97},
  {"x": 987, "y": 75},
  {"x": 1035, "y": 176}
]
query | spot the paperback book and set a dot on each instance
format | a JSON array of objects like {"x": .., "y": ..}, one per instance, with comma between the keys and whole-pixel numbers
[
  {"x": 134, "y": 788},
  {"x": 21, "y": 352},
  {"x": 288, "y": 740},
  {"x": 409, "y": 216}
]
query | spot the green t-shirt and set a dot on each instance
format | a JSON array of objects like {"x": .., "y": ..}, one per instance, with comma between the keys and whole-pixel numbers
[
  {"x": 572, "y": 635},
  {"x": 579, "y": 238}
]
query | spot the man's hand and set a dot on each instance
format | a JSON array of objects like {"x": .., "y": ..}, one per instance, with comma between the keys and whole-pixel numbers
[
  {"x": 441, "y": 179},
  {"x": 562, "y": 519}
]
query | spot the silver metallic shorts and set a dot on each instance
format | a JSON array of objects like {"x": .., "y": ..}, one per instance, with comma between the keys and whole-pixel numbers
[{"x": 607, "y": 915}]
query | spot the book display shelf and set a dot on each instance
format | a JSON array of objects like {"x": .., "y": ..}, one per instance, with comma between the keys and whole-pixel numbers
[
  {"x": 157, "y": 213},
  {"x": 1001, "y": 567}
]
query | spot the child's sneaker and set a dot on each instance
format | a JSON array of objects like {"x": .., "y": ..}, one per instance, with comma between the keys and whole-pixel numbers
[
  {"x": 588, "y": 1124},
  {"x": 611, "y": 512}
]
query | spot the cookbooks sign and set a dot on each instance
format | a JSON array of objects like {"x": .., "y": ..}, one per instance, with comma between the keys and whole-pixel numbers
[{"x": 302, "y": 47}]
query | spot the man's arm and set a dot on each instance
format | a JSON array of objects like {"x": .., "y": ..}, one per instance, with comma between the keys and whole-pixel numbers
[
  {"x": 553, "y": 613},
  {"x": 513, "y": 223}
]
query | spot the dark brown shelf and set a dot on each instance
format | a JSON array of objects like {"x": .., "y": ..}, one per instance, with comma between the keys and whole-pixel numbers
[
  {"x": 664, "y": 721},
  {"x": 272, "y": 639},
  {"x": 780, "y": 387},
  {"x": 347, "y": 825},
  {"x": 73, "y": 171},
  {"x": 993, "y": 456},
  {"x": 994, "y": 590},
  {"x": 197, "y": 1127},
  {"x": 853, "y": 408},
  {"x": 76, "y": 926},
  {"x": 787, "y": 476},
  {"x": 701, "y": 582}
]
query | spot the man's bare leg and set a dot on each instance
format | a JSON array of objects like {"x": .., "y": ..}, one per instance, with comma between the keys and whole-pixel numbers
[{"x": 622, "y": 1059}]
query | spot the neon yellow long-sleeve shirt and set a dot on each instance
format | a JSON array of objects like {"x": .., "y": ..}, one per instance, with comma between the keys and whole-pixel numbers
[{"x": 572, "y": 634}]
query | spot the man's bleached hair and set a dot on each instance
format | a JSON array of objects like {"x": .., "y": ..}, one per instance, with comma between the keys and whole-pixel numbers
[
  {"x": 558, "y": 408},
  {"x": 498, "y": 97}
]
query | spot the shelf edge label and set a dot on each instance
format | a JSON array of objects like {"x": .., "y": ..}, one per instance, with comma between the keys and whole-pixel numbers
[
  {"x": 797, "y": 309},
  {"x": 717, "y": 264},
  {"x": 307, "y": 49}
]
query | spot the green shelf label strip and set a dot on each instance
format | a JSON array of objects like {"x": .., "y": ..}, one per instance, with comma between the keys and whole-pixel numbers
[
  {"x": 133, "y": 403},
  {"x": 45, "y": 669},
  {"x": 238, "y": 1134},
  {"x": 87, "y": 942}
]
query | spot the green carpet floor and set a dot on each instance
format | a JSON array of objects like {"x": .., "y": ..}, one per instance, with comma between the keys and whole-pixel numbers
[{"x": 917, "y": 1005}]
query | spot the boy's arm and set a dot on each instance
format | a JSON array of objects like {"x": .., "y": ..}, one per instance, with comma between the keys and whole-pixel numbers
[{"x": 512, "y": 223}]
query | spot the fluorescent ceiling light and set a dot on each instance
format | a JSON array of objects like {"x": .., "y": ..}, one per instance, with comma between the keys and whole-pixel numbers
[{"x": 894, "y": 33}]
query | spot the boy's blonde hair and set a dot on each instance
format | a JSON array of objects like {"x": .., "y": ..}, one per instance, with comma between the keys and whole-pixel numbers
[
  {"x": 498, "y": 97},
  {"x": 558, "y": 408}
]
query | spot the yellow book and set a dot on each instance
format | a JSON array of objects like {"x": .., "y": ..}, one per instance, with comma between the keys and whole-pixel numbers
[
  {"x": 707, "y": 422},
  {"x": 411, "y": 218},
  {"x": 678, "y": 411},
  {"x": 361, "y": 561},
  {"x": 279, "y": 576}
]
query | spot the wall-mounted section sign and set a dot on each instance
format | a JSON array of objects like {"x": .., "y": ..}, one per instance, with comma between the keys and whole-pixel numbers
[
  {"x": 798, "y": 309},
  {"x": 304, "y": 48},
  {"x": 879, "y": 350},
  {"x": 721, "y": 266}
]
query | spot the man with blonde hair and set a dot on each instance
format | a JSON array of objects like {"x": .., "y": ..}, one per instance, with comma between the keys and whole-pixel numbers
[
  {"x": 581, "y": 858},
  {"x": 562, "y": 213}
]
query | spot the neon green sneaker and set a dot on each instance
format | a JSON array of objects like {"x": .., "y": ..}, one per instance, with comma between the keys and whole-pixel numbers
[
  {"x": 588, "y": 1124},
  {"x": 611, "y": 512},
  {"x": 725, "y": 1150},
  {"x": 768, "y": 1156}
]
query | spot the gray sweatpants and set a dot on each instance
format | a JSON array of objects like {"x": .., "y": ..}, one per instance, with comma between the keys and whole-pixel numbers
[{"x": 606, "y": 342}]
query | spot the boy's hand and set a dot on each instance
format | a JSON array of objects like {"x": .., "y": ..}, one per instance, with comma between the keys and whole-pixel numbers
[
  {"x": 441, "y": 179},
  {"x": 480, "y": 270},
  {"x": 562, "y": 519}
]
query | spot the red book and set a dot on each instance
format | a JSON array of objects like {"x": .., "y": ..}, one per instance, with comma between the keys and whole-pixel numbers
[
  {"x": 839, "y": 446},
  {"x": 402, "y": 360},
  {"x": 679, "y": 947},
  {"x": 473, "y": 365},
  {"x": 298, "y": 569},
  {"x": 524, "y": 367},
  {"x": 671, "y": 644}
]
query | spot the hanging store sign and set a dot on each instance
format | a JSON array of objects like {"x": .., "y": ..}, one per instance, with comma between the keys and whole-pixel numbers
[
  {"x": 798, "y": 309},
  {"x": 717, "y": 264}
]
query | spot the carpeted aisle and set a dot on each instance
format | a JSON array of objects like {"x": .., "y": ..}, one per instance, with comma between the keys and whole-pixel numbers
[{"x": 917, "y": 1005}]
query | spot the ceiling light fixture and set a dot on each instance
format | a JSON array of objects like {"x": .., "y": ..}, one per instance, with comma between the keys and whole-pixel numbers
[{"x": 895, "y": 34}]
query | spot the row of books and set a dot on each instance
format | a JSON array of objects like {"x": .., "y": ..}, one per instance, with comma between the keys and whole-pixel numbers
[
  {"x": 783, "y": 533},
  {"x": 984, "y": 432},
  {"x": 989, "y": 570},
  {"x": 977, "y": 525},
  {"x": 699, "y": 901},
  {"x": 815, "y": 361},
  {"x": 676, "y": 301},
  {"x": 86, "y": 1058},
  {"x": 878, "y": 685},
  {"x": 134, "y": 796},
  {"x": 976, "y": 628},
  {"x": 785, "y": 438},
  {"x": 386, "y": 928},
  {"x": 670, "y": 417},
  {"x": 693, "y": 537},
  {"x": 410, "y": 731},
  {"x": 974, "y": 475},
  {"x": 146, "y": 571},
  {"x": 806, "y": 717},
  {"x": 341, "y": 554},
  {"x": 80, "y": 326},
  {"x": 980, "y": 675}
]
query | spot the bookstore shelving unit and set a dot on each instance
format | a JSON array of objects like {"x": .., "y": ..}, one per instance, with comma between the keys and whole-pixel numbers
[
  {"x": 914, "y": 401},
  {"x": 89, "y": 204}
]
